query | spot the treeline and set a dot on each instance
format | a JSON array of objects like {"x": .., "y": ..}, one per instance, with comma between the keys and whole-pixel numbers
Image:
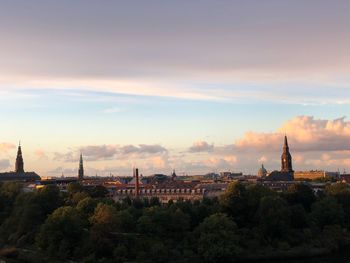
[{"x": 246, "y": 223}]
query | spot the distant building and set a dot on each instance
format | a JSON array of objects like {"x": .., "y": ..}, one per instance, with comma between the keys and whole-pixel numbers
[
  {"x": 345, "y": 178},
  {"x": 19, "y": 174},
  {"x": 278, "y": 186},
  {"x": 173, "y": 175},
  {"x": 335, "y": 175},
  {"x": 262, "y": 173},
  {"x": 230, "y": 175},
  {"x": 286, "y": 158},
  {"x": 286, "y": 173},
  {"x": 164, "y": 188},
  {"x": 158, "y": 179},
  {"x": 311, "y": 175}
]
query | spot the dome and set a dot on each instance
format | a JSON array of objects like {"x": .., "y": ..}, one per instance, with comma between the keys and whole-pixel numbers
[{"x": 262, "y": 171}]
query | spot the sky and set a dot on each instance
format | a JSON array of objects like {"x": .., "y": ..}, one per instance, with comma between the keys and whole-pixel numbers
[{"x": 196, "y": 86}]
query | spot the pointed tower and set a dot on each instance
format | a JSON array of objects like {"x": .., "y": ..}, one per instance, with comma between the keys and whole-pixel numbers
[
  {"x": 173, "y": 175},
  {"x": 19, "y": 160},
  {"x": 81, "y": 168},
  {"x": 286, "y": 157},
  {"x": 262, "y": 172}
]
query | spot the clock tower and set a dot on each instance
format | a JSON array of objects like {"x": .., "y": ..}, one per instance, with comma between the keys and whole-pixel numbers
[{"x": 286, "y": 157}]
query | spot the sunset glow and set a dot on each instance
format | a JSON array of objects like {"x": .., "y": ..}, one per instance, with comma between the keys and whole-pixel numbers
[{"x": 174, "y": 85}]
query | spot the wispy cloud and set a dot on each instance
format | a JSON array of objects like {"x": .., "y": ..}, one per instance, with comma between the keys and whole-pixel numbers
[
  {"x": 113, "y": 110},
  {"x": 291, "y": 48},
  {"x": 108, "y": 152}
]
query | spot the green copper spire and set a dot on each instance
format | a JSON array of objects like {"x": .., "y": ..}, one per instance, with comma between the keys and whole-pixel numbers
[{"x": 81, "y": 168}]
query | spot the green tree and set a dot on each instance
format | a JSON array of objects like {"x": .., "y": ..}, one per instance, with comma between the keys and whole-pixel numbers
[
  {"x": 6, "y": 203},
  {"x": 125, "y": 221},
  {"x": 217, "y": 239},
  {"x": 104, "y": 215},
  {"x": 11, "y": 189},
  {"x": 62, "y": 233},
  {"x": 298, "y": 216},
  {"x": 154, "y": 201},
  {"x": 300, "y": 194},
  {"x": 8, "y": 194},
  {"x": 120, "y": 254},
  {"x": 234, "y": 203},
  {"x": 21, "y": 225},
  {"x": 87, "y": 206},
  {"x": 341, "y": 192},
  {"x": 273, "y": 217},
  {"x": 74, "y": 187},
  {"x": 337, "y": 188},
  {"x": 163, "y": 222},
  {"x": 49, "y": 198},
  {"x": 253, "y": 196},
  {"x": 77, "y": 197},
  {"x": 99, "y": 191},
  {"x": 343, "y": 198},
  {"x": 327, "y": 212},
  {"x": 102, "y": 231}
]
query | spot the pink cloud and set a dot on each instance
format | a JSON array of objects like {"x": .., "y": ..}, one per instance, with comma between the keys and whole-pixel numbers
[
  {"x": 201, "y": 146},
  {"x": 5, "y": 147},
  {"x": 41, "y": 154},
  {"x": 159, "y": 162},
  {"x": 305, "y": 133}
]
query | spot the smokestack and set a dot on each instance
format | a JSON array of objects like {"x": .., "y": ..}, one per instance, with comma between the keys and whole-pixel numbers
[{"x": 137, "y": 185}]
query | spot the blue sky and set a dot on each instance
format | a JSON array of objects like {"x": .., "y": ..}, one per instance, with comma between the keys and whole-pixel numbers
[
  {"x": 128, "y": 119},
  {"x": 165, "y": 76}
]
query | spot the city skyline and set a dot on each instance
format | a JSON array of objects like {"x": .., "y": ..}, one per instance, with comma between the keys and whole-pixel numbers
[
  {"x": 162, "y": 85},
  {"x": 250, "y": 146}
]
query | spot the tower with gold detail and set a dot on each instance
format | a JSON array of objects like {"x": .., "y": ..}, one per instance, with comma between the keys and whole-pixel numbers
[
  {"x": 286, "y": 158},
  {"x": 286, "y": 173}
]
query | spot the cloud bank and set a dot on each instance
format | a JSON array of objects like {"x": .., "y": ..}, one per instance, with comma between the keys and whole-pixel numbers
[
  {"x": 305, "y": 133},
  {"x": 220, "y": 50},
  {"x": 110, "y": 152},
  {"x": 314, "y": 144},
  {"x": 201, "y": 146}
]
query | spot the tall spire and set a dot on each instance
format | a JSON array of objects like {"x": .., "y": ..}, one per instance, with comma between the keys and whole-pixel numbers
[
  {"x": 285, "y": 142},
  {"x": 286, "y": 157},
  {"x": 19, "y": 160},
  {"x": 137, "y": 182},
  {"x": 81, "y": 168}
]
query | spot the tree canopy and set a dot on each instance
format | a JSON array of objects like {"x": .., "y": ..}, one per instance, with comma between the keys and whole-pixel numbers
[{"x": 248, "y": 221}]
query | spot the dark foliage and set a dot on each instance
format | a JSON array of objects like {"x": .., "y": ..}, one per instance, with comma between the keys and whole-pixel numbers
[{"x": 82, "y": 225}]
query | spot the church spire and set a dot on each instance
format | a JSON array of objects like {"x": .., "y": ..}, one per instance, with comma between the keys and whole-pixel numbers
[
  {"x": 286, "y": 157},
  {"x": 285, "y": 146},
  {"x": 81, "y": 168},
  {"x": 173, "y": 175},
  {"x": 19, "y": 160}
]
